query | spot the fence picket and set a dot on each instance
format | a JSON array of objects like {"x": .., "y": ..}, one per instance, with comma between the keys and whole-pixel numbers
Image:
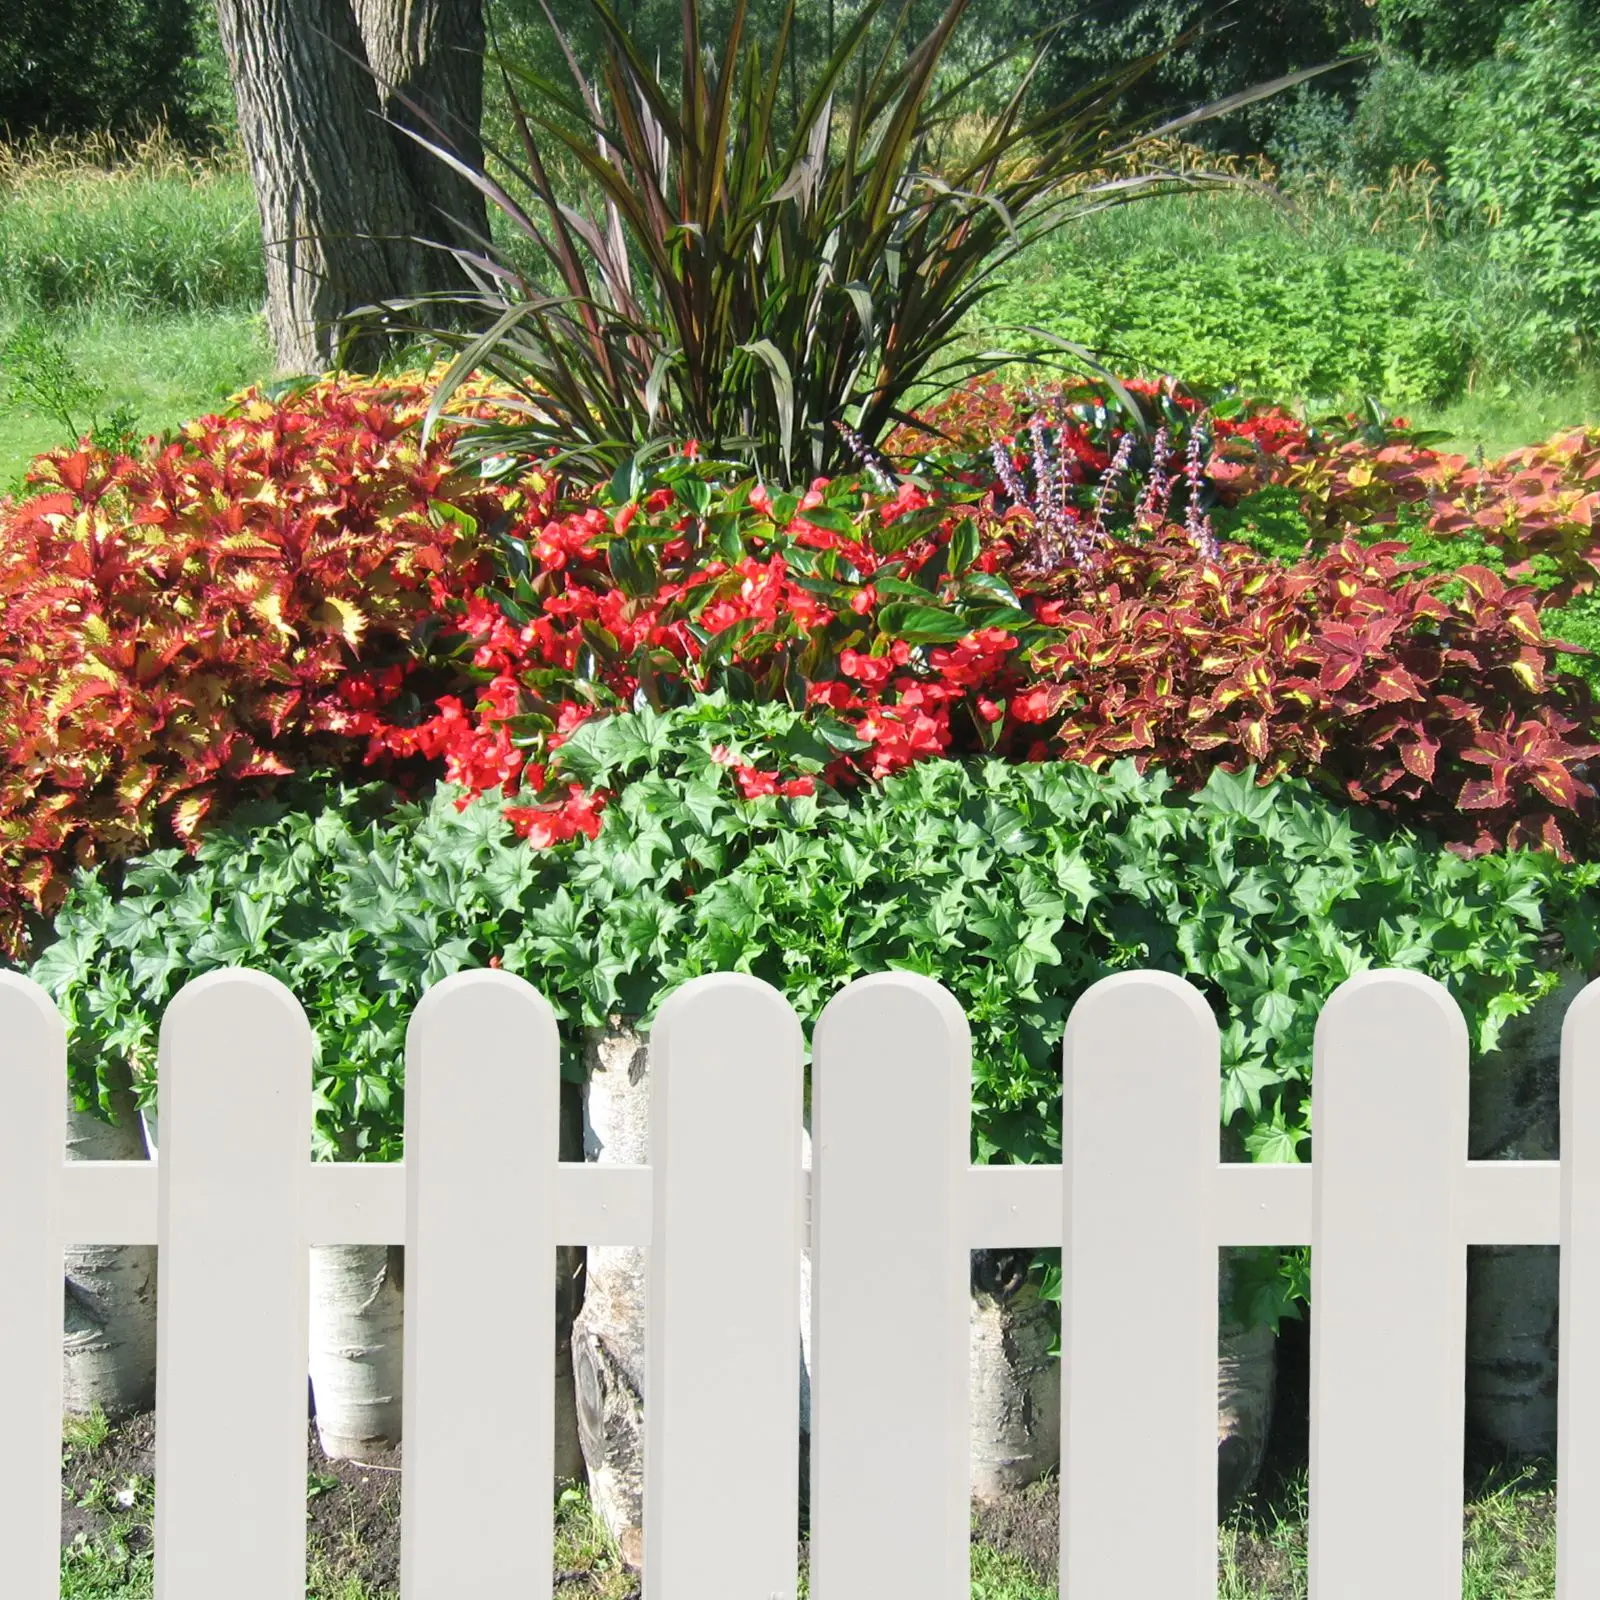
[
  {"x": 233, "y": 1290},
  {"x": 1578, "y": 1374},
  {"x": 722, "y": 1392},
  {"x": 895, "y": 1208},
  {"x": 1388, "y": 1289},
  {"x": 1139, "y": 1291},
  {"x": 33, "y": 1085},
  {"x": 891, "y": 1108},
  {"x": 481, "y": 1051}
]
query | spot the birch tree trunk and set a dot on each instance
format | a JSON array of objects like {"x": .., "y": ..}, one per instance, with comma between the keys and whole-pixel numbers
[
  {"x": 1514, "y": 1291},
  {"x": 357, "y": 1346},
  {"x": 109, "y": 1331},
  {"x": 344, "y": 210}
]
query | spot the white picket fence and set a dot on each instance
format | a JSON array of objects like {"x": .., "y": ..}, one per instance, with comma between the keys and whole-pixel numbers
[{"x": 1140, "y": 1206}]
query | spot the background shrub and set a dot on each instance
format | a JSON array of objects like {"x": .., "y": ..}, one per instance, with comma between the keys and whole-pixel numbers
[
  {"x": 1526, "y": 156},
  {"x": 1256, "y": 312},
  {"x": 104, "y": 66}
]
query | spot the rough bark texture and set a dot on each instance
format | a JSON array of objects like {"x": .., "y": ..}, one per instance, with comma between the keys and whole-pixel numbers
[
  {"x": 1514, "y": 1291},
  {"x": 357, "y": 1347},
  {"x": 109, "y": 1329},
  {"x": 608, "y": 1333},
  {"x": 431, "y": 53},
  {"x": 341, "y": 213},
  {"x": 1016, "y": 1382}
]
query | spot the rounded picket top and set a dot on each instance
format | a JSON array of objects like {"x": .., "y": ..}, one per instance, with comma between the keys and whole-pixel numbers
[
  {"x": 883, "y": 1001},
  {"x": 493, "y": 1035},
  {"x": 227, "y": 1006},
  {"x": 1379, "y": 998},
  {"x": 233, "y": 1043},
  {"x": 35, "y": 1033},
  {"x": 478, "y": 999},
  {"x": 720, "y": 1000},
  {"x": 1396, "y": 1038},
  {"x": 1580, "y": 1029},
  {"x": 1154, "y": 1016}
]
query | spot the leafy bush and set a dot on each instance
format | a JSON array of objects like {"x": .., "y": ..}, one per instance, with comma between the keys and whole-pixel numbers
[
  {"x": 1527, "y": 156},
  {"x": 918, "y": 623},
  {"x": 1015, "y": 886},
  {"x": 171, "y": 626},
  {"x": 1279, "y": 320},
  {"x": 118, "y": 66}
]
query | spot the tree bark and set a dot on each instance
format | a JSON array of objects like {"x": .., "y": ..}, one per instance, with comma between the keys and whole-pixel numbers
[
  {"x": 431, "y": 52},
  {"x": 345, "y": 217},
  {"x": 109, "y": 1344}
]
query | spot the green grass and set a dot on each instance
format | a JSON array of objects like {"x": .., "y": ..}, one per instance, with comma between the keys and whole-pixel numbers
[
  {"x": 165, "y": 369},
  {"x": 1508, "y": 1550}
]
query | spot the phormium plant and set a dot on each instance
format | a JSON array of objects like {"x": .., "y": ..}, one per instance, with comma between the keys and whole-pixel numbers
[{"x": 751, "y": 280}]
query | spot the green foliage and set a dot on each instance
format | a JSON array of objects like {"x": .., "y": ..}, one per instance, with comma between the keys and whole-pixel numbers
[
  {"x": 1016, "y": 886},
  {"x": 1278, "y": 320},
  {"x": 1233, "y": 46},
  {"x": 140, "y": 238},
  {"x": 117, "y": 66},
  {"x": 1526, "y": 156},
  {"x": 1406, "y": 115},
  {"x": 1444, "y": 33},
  {"x": 36, "y": 368},
  {"x": 753, "y": 280}
]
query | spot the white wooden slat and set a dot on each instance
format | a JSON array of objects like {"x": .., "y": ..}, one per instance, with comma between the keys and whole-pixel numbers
[
  {"x": 478, "y": 1414},
  {"x": 360, "y": 1202},
  {"x": 233, "y": 1290},
  {"x": 33, "y": 1090},
  {"x": 721, "y": 1392},
  {"x": 1139, "y": 1291},
  {"x": 1578, "y": 1379},
  {"x": 1388, "y": 1288},
  {"x": 891, "y": 1114}
]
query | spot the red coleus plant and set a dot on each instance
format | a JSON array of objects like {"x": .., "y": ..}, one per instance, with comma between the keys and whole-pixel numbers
[
  {"x": 173, "y": 627},
  {"x": 1340, "y": 668}
]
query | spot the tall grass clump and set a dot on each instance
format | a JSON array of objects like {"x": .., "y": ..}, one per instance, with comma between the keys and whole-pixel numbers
[{"x": 145, "y": 231}]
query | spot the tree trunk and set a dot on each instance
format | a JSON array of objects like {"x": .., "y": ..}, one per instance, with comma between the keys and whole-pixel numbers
[
  {"x": 1247, "y": 1371},
  {"x": 342, "y": 215},
  {"x": 1514, "y": 1291},
  {"x": 608, "y": 1333},
  {"x": 109, "y": 1343},
  {"x": 432, "y": 54},
  {"x": 357, "y": 1346},
  {"x": 1016, "y": 1382}
]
